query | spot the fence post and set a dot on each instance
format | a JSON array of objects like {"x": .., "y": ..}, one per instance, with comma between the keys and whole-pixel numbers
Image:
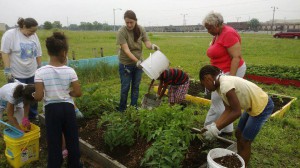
[
  {"x": 73, "y": 55},
  {"x": 95, "y": 52},
  {"x": 101, "y": 52}
]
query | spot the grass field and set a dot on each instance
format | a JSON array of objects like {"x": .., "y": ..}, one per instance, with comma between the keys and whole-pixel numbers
[{"x": 278, "y": 143}]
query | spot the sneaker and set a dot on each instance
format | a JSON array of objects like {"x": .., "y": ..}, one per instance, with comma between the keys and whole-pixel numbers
[{"x": 64, "y": 153}]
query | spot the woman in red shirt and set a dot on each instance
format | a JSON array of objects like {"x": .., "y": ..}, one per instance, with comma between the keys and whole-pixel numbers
[{"x": 225, "y": 53}]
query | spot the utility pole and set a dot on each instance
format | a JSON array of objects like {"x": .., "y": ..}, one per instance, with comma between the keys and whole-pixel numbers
[
  {"x": 274, "y": 9},
  {"x": 114, "y": 10},
  {"x": 184, "y": 20},
  {"x": 238, "y": 24}
]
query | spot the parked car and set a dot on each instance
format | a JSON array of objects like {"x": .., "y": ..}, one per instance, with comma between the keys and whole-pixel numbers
[{"x": 295, "y": 35}]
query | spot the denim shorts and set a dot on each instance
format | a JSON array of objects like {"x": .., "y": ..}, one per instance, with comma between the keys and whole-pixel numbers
[{"x": 250, "y": 126}]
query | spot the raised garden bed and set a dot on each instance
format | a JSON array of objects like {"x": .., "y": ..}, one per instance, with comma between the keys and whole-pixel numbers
[
  {"x": 92, "y": 146},
  {"x": 272, "y": 80},
  {"x": 274, "y": 74},
  {"x": 282, "y": 103}
]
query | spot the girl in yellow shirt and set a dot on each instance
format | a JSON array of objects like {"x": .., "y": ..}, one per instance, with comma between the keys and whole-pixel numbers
[{"x": 237, "y": 94}]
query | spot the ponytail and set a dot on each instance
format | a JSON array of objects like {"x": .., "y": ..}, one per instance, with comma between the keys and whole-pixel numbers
[
  {"x": 28, "y": 23},
  {"x": 24, "y": 92},
  {"x": 136, "y": 32},
  {"x": 18, "y": 91}
]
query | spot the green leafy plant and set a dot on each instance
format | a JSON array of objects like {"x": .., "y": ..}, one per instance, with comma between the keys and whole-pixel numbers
[
  {"x": 275, "y": 71},
  {"x": 119, "y": 130}
]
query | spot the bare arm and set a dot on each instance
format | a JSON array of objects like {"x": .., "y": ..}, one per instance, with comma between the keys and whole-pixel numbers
[
  {"x": 127, "y": 51},
  {"x": 10, "y": 116},
  {"x": 39, "y": 61},
  {"x": 76, "y": 90},
  {"x": 148, "y": 44},
  {"x": 26, "y": 109},
  {"x": 5, "y": 58},
  {"x": 151, "y": 85},
  {"x": 39, "y": 91},
  {"x": 236, "y": 55},
  {"x": 159, "y": 87},
  {"x": 231, "y": 113}
]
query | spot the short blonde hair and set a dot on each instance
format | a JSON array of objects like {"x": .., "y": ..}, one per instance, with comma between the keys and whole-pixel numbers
[{"x": 213, "y": 18}]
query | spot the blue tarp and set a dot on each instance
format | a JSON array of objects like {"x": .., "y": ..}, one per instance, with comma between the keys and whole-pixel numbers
[{"x": 110, "y": 60}]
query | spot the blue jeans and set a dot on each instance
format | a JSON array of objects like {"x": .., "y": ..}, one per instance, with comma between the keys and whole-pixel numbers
[
  {"x": 129, "y": 75},
  {"x": 250, "y": 126},
  {"x": 33, "y": 112}
]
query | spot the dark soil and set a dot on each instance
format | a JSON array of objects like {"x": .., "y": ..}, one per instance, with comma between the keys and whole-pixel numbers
[
  {"x": 131, "y": 156},
  {"x": 42, "y": 162},
  {"x": 196, "y": 89},
  {"x": 230, "y": 161},
  {"x": 279, "y": 102}
]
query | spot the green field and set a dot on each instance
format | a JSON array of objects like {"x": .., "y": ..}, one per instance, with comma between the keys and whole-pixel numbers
[{"x": 277, "y": 145}]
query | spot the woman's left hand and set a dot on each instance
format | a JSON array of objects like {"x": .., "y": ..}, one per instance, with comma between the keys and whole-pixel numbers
[
  {"x": 212, "y": 131},
  {"x": 155, "y": 47}
]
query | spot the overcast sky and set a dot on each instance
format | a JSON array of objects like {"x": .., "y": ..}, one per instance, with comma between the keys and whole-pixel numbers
[{"x": 149, "y": 12}]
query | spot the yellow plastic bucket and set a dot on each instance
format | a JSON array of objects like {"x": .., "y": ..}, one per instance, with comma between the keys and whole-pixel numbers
[{"x": 20, "y": 151}]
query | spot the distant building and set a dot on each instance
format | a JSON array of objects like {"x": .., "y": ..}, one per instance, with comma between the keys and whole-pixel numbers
[
  {"x": 282, "y": 25},
  {"x": 171, "y": 28},
  {"x": 239, "y": 25},
  {"x": 3, "y": 27}
]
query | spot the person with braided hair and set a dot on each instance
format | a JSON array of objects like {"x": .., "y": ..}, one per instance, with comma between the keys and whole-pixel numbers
[
  {"x": 130, "y": 38},
  {"x": 237, "y": 94},
  {"x": 16, "y": 98}
]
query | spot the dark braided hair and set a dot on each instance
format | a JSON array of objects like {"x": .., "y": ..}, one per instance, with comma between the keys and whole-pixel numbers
[
  {"x": 56, "y": 44},
  {"x": 136, "y": 30},
  {"x": 25, "y": 93},
  {"x": 209, "y": 70}
]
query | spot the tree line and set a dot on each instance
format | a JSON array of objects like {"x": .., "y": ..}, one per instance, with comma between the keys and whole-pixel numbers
[{"x": 87, "y": 26}]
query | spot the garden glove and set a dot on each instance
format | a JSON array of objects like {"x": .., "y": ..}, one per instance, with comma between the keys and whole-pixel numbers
[
  {"x": 8, "y": 75},
  {"x": 78, "y": 113},
  {"x": 155, "y": 47},
  {"x": 211, "y": 132},
  {"x": 157, "y": 96},
  {"x": 26, "y": 123},
  {"x": 138, "y": 64}
]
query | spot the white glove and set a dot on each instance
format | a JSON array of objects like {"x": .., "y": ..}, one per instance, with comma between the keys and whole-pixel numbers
[
  {"x": 155, "y": 47},
  {"x": 138, "y": 64},
  {"x": 78, "y": 113},
  {"x": 212, "y": 131},
  {"x": 8, "y": 75}
]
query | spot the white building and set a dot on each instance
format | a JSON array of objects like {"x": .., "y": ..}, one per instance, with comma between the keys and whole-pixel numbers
[{"x": 2, "y": 27}]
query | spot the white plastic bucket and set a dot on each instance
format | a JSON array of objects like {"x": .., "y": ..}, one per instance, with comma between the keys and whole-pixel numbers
[
  {"x": 155, "y": 64},
  {"x": 219, "y": 152}
]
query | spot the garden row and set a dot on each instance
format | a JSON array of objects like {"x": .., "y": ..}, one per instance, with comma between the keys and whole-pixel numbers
[{"x": 274, "y": 74}]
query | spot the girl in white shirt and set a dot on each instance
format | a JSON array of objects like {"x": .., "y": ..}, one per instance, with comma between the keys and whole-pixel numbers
[
  {"x": 52, "y": 83},
  {"x": 16, "y": 99}
]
